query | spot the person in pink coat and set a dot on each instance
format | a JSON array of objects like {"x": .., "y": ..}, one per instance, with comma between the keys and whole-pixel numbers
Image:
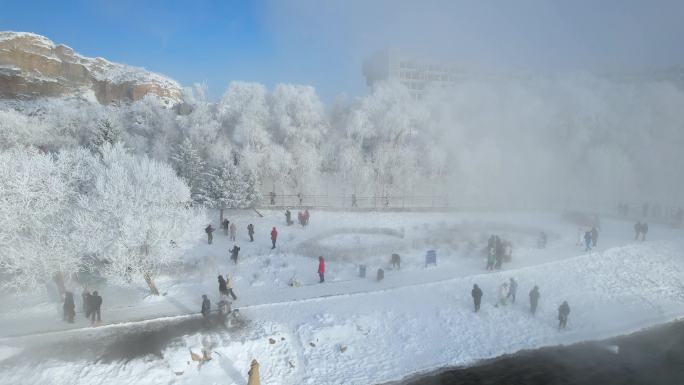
[
  {"x": 321, "y": 269},
  {"x": 274, "y": 237}
]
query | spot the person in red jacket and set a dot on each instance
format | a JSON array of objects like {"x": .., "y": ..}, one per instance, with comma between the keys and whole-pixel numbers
[
  {"x": 274, "y": 236},
  {"x": 321, "y": 269}
]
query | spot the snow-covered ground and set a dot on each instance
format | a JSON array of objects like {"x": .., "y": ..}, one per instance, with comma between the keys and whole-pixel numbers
[{"x": 353, "y": 330}]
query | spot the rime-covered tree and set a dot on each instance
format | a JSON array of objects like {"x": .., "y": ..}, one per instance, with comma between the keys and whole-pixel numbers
[
  {"x": 299, "y": 124},
  {"x": 36, "y": 197},
  {"x": 217, "y": 190},
  {"x": 190, "y": 167},
  {"x": 251, "y": 194},
  {"x": 106, "y": 132},
  {"x": 138, "y": 219}
]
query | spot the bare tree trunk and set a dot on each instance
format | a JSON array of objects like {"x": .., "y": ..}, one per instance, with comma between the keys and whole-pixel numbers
[
  {"x": 151, "y": 285},
  {"x": 59, "y": 281}
]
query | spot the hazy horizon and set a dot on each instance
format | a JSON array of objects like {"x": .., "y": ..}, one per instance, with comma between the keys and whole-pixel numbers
[{"x": 325, "y": 44}]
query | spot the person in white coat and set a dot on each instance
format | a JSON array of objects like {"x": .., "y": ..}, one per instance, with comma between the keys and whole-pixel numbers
[
  {"x": 233, "y": 231},
  {"x": 503, "y": 294}
]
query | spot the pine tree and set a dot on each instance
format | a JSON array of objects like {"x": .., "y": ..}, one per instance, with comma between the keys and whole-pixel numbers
[
  {"x": 251, "y": 195},
  {"x": 107, "y": 132},
  {"x": 190, "y": 167}
]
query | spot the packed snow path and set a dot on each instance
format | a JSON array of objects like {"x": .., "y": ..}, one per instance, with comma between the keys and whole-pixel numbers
[{"x": 262, "y": 275}]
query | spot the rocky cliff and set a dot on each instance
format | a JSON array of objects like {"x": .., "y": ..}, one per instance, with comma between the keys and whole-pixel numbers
[{"x": 33, "y": 66}]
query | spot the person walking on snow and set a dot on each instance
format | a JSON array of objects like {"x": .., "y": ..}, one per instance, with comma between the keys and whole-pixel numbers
[
  {"x": 534, "y": 299},
  {"x": 637, "y": 230},
  {"x": 288, "y": 217},
  {"x": 233, "y": 231},
  {"x": 274, "y": 237},
  {"x": 503, "y": 294},
  {"x": 395, "y": 261},
  {"x": 229, "y": 286},
  {"x": 491, "y": 258},
  {"x": 321, "y": 269},
  {"x": 587, "y": 241},
  {"x": 499, "y": 254},
  {"x": 95, "y": 310},
  {"x": 206, "y": 306},
  {"x": 69, "y": 307},
  {"x": 87, "y": 302},
  {"x": 223, "y": 287},
  {"x": 250, "y": 231},
  {"x": 644, "y": 230},
  {"x": 224, "y": 225},
  {"x": 209, "y": 230},
  {"x": 477, "y": 297},
  {"x": 234, "y": 254},
  {"x": 512, "y": 289},
  {"x": 563, "y": 312},
  {"x": 594, "y": 236}
]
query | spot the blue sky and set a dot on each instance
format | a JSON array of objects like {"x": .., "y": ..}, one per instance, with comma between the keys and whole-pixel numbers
[{"x": 323, "y": 43}]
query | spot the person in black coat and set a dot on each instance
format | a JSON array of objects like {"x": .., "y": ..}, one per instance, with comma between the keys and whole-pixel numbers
[
  {"x": 95, "y": 309},
  {"x": 87, "y": 303},
  {"x": 234, "y": 253},
  {"x": 225, "y": 225},
  {"x": 210, "y": 236},
  {"x": 206, "y": 306},
  {"x": 499, "y": 253},
  {"x": 477, "y": 297},
  {"x": 563, "y": 312},
  {"x": 250, "y": 231},
  {"x": 69, "y": 307},
  {"x": 534, "y": 299},
  {"x": 396, "y": 261},
  {"x": 644, "y": 230},
  {"x": 223, "y": 288}
]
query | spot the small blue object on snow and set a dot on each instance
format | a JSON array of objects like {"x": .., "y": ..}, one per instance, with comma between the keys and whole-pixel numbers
[{"x": 431, "y": 258}]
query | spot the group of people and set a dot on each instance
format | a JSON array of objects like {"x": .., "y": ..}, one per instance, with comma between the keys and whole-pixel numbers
[
  {"x": 92, "y": 303},
  {"x": 640, "y": 230},
  {"x": 508, "y": 291},
  {"x": 303, "y": 217},
  {"x": 225, "y": 286},
  {"x": 498, "y": 252},
  {"x": 590, "y": 238},
  {"x": 229, "y": 229}
]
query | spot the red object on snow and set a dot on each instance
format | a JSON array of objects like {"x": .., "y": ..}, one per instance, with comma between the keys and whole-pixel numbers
[
  {"x": 321, "y": 265},
  {"x": 274, "y": 233}
]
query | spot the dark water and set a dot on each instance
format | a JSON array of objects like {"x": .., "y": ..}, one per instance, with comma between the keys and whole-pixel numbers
[
  {"x": 110, "y": 345},
  {"x": 654, "y": 356}
]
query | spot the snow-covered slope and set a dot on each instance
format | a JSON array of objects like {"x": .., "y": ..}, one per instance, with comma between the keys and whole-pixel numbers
[
  {"x": 31, "y": 65},
  {"x": 353, "y": 330}
]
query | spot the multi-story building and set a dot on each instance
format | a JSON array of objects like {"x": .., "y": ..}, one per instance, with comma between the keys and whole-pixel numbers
[{"x": 416, "y": 74}]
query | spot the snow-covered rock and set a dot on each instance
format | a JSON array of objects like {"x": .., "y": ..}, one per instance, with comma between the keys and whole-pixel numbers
[{"x": 32, "y": 66}]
